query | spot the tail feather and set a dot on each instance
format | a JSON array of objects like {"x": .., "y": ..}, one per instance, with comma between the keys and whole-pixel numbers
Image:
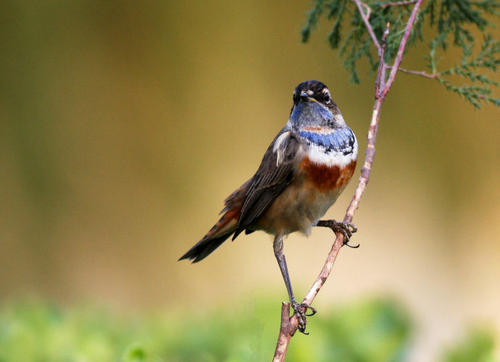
[
  {"x": 223, "y": 229},
  {"x": 203, "y": 248}
]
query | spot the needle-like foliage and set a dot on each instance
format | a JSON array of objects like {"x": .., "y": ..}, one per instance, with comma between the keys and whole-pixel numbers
[{"x": 441, "y": 27}]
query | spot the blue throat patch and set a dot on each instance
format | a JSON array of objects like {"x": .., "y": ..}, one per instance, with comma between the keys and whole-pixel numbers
[
  {"x": 339, "y": 140},
  {"x": 307, "y": 112}
]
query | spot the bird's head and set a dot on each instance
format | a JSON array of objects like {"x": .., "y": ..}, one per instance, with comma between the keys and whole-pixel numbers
[{"x": 313, "y": 106}]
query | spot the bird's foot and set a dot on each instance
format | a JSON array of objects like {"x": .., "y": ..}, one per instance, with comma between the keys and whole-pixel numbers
[
  {"x": 301, "y": 312},
  {"x": 345, "y": 228}
]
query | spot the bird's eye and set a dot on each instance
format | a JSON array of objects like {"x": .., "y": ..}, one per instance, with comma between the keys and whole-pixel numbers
[{"x": 326, "y": 98}]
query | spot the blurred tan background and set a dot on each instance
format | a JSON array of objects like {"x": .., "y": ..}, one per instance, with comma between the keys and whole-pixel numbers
[{"x": 124, "y": 125}]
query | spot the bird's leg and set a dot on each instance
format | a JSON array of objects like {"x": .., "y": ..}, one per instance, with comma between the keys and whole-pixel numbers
[
  {"x": 345, "y": 228},
  {"x": 299, "y": 309}
]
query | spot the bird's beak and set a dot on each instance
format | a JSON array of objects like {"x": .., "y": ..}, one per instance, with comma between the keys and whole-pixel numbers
[{"x": 304, "y": 97}]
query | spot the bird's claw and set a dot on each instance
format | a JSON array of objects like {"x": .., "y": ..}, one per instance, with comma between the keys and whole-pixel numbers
[
  {"x": 345, "y": 228},
  {"x": 301, "y": 313}
]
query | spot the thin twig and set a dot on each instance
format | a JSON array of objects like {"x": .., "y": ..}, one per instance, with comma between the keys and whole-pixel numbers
[
  {"x": 402, "y": 46},
  {"x": 382, "y": 67},
  {"x": 366, "y": 19},
  {"x": 397, "y": 3},
  {"x": 289, "y": 324},
  {"x": 420, "y": 73}
]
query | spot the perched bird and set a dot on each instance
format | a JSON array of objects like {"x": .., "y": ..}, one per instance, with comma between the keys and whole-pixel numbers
[{"x": 302, "y": 173}]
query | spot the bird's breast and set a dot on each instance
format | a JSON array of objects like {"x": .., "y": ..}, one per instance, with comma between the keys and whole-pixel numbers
[
  {"x": 326, "y": 177},
  {"x": 327, "y": 162},
  {"x": 330, "y": 140},
  {"x": 307, "y": 198},
  {"x": 324, "y": 146}
]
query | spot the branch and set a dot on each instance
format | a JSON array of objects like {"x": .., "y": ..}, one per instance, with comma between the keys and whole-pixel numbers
[
  {"x": 382, "y": 66},
  {"x": 366, "y": 20},
  {"x": 420, "y": 73},
  {"x": 286, "y": 330},
  {"x": 402, "y": 46},
  {"x": 289, "y": 324}
]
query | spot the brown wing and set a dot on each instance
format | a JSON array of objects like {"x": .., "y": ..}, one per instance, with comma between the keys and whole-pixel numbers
[
  {"x": 248, "y": 202},
  {"x": 276, "y": 171}
]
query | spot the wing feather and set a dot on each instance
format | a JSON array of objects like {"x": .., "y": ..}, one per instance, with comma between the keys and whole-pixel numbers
[{"x": 276, "y": 171}]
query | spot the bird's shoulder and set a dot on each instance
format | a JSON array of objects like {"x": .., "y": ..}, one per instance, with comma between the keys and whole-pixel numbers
[{"x": 277, "y": 170}]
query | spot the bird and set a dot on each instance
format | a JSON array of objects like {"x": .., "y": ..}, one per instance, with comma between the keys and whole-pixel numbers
[{"x": 302, "y": 173}]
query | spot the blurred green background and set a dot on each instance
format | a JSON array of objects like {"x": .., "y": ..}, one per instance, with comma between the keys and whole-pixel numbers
[{"x": 124, "y": 125}]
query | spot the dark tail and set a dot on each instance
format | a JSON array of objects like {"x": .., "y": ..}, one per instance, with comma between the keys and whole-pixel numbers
[
  {"x": 223, "y": 229},
  {"x": 215, "y": 237},
  {"x": 203, "y": 248}
]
